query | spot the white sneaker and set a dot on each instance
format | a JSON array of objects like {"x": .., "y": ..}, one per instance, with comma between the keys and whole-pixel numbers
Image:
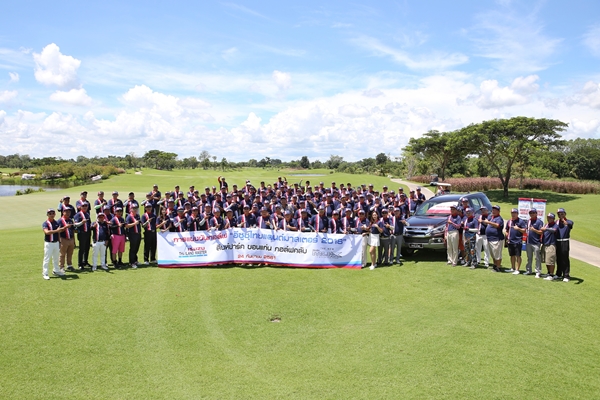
[
  {"x": 527, "y": 273},
  {"x": 146, "y": 263},
  {"x": 537, "y": 275},
  {"x": 516, "y": 272},
  {"x": 60, "y": 272},
  {"x": 46, "y": 277},
  {"x": 104, "y": 267},
  {"x": 372, "y": 267},
  {"x": 93, "y": 267},
  {"x": 549, "y": 278},
  {"x": 134, "y": 265},
  {"x": 566, "y": 280},
  {"x": 511, "y": 270},
  {"x": 449, "y": 262}
]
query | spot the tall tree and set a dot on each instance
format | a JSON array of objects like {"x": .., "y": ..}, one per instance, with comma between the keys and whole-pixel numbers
[
  {"x": 439, "y": 148},
  {"x": 304, "y": 162},
  {"x": 505, "y": 142},
  {"x": 204, "y": 159}
]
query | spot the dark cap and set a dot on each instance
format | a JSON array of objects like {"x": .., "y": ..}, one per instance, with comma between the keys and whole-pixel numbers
[
  {"x": 533, "y": 210},
  {"x": 496, "y": 206},
  {"x": 514, "y": 210},
  {"x": 561, "y": 210},
  {"x": 50, "y": 210}
]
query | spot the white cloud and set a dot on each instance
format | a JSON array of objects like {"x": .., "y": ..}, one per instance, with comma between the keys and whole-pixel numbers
[
  {"x": 74, "y": 97},
  {"x": 589, "y": 96},
  {"x": 354, "y": 111},
  {"x": 347, "y": 123},
  {"x": 515, "y": 41},
  {"x": 373, "y": 92},
  {"x": 7, "y": 95},
  {"x": 193, "y": 103},
  {"x": 591, "y": 39},
  {"x": 54, "y": 68},
  {"x": 14, "y": 77},
  {"x": 283, "y": 80},
  {"x": 492, "y": 95},
  {"x": 2, "y": 115},
  {"x": 434, "y": 60}
]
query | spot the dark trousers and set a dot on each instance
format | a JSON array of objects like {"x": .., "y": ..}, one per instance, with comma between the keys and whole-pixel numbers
[
  {"x": 383, "y": 252},
  {"x": 149, "y": 246},
  {"x": 134, "y": 247},
  {"x": 563, "y": 263},
  {"x": 84, "y": 239},
  {"x": 109, "y": 251}
]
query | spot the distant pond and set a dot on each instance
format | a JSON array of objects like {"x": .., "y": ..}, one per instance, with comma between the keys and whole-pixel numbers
[{"x": 10, "y": 190}]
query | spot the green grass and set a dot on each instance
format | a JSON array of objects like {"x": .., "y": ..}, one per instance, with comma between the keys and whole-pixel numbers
[{"x": 421, "y": 330}]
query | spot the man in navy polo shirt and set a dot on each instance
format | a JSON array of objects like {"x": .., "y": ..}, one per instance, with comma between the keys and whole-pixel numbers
[
  {"x": 494, "y": 225},
  {"x": 51, "y": 247},
  {"x": 534, "y": 243},
  {"x": 148, "y": 220},
  {"x": 549, "y": 245},
  {"x": 100, "y": 239},
  {"x": 84, "y": 235},
  {"x": 134, "y": 233},
  {"x": 563, "y": 235},
  {"x": 515, "y": 228},
  {"x": 453, "y": 225}
]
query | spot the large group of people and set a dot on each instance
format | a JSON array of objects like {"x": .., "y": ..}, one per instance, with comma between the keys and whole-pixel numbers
[
  {"x": 468, "y": 236},
  {"x": 104, "y": 224}
]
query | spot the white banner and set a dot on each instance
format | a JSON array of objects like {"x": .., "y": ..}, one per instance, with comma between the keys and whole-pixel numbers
[
  {"x": 265, "y": 246},
  {"x": 526, "y": 204}
]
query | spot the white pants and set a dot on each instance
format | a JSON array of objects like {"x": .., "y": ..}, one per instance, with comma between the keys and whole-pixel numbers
[
  {"x": 482, "y": 244},
  {"x": 363, "y": 250},
  {"x": 452, "y": 246},
  {"x": 99, "y": 247},
  {"x": 51, "y": 252}
]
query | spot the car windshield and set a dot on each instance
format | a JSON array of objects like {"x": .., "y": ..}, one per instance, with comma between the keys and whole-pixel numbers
[{"x": 435, "y": 208}]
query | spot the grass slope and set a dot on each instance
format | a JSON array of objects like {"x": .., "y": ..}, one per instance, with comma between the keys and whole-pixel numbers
[{"x": 422, "y": 330}]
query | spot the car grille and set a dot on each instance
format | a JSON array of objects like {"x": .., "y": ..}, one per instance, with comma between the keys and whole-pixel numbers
[{"x": 415, "y": 231}]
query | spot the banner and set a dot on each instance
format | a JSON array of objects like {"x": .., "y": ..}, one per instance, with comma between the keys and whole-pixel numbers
[
  {"x": 264, "y": 246},
  {"x": 526, "y": 204}
]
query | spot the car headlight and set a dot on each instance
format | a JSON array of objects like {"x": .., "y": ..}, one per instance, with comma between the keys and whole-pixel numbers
[{"x": 438, "y": 230}]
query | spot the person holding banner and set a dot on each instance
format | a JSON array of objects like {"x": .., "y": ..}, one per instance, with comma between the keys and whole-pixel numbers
[
  {"x": 563, "y": 263},
  {"x": 515, "y": 228},
  {"x": 534, "y": 243},
  {"x": 287, "y": 223},
  {"x": 319, "y": 222},
  {"x": 493, "y": 231},
  {"x": 363, "y": 227},
  {"x": 247, "y": 219},
  {"x": 376, "y": 230},
  {"x": 549, "y": 245}
]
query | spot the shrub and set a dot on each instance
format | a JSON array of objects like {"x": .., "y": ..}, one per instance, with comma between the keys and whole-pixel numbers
[{"x": 484, "y": 184}]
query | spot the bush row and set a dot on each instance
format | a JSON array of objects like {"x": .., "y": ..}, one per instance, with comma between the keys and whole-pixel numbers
[{"x": 484, "y": 184}]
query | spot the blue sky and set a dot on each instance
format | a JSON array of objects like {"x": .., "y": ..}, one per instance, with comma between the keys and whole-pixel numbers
[{"x": 255, "y": 79}]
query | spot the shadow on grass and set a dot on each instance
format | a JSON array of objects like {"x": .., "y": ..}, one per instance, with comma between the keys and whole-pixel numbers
[
  {"x": 425, "y": 256},
  {"x": 497, "y": 196}
]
